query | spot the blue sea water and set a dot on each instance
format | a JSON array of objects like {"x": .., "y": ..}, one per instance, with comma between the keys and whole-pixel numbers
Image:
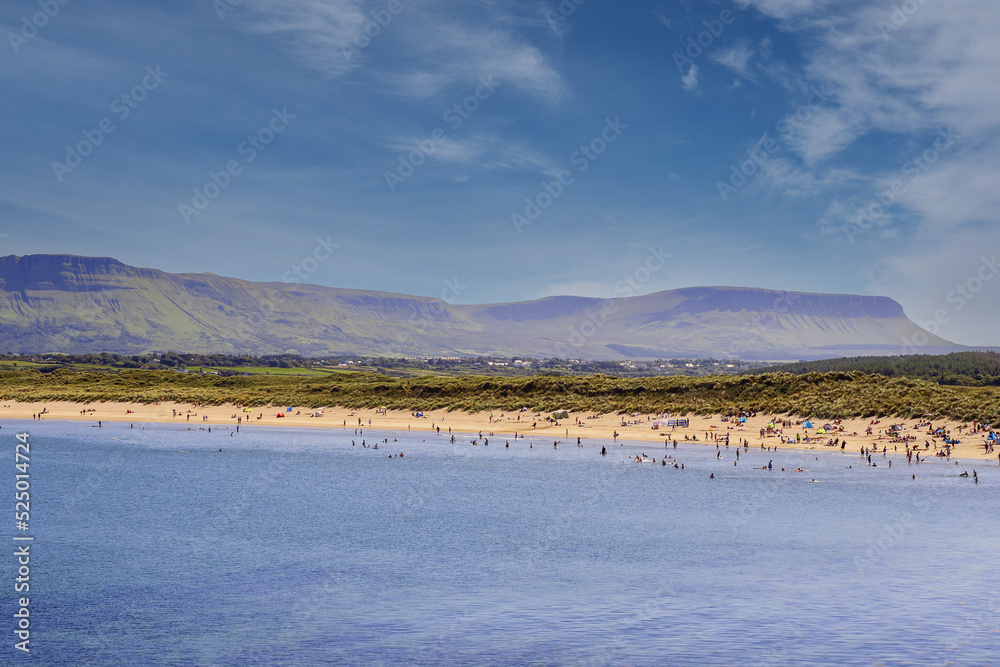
[{"x": 293, "y": 547}]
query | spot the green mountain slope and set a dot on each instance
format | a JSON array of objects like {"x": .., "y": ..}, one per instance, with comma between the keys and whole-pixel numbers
[{"x": 64, "y": 303}]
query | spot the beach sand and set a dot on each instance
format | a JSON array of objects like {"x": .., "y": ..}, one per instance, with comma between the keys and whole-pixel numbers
[{"x": 586, "y": 426}]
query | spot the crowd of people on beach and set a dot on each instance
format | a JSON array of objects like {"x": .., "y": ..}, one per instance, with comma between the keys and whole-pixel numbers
[{"x": 939, "y": 442}]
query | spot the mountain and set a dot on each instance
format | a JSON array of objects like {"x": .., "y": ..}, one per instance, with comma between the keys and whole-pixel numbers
[{"x": 65, "y": 303}]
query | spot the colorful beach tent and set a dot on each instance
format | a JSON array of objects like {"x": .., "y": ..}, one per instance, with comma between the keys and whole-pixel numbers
[
  {"x": 822, "y": 430},
  {"x": 288, "y": 409},
  {"x": 807, "y": 425}
]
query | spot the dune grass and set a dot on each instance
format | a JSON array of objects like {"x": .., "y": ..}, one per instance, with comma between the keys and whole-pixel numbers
[{"x": 819, "y": 395}]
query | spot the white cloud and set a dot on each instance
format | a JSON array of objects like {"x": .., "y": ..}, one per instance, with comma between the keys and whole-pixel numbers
[
  {"x": 483, "y": 152},
  {"x": 417, "y": 84},
  {"x": 464, "y": 52},
  {"x": 314, "y": 31},
  {"x": 439, "y": 51},
  {"x": 662, "y": 17},
  {"x": 782, "y": 9},
  {"x": 766, "y": 48},
  {"x": 927, "y": 71},
  {"x": 788, "y": 177},
  {"x": 958, "y": 192},
  {"x": 821, "y": 131},
  {"x": 690, "y": 80},
  {"x": 736, "y": 57}
]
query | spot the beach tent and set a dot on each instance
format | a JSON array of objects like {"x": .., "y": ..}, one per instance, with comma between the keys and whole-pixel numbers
[
  {"x": 822, "y": 430},
  {"x": 248, "y": 410},
  {"x": 828, "y": 427},
  {"x": 807, "y": 425},
  {"x": 288, "y": 409},
  {"x": 992, "y": 436},
  {"x": 743, "y": 420}
]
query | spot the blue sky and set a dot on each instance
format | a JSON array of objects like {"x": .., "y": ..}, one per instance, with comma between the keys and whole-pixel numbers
[{"x": 516, "y": 149}]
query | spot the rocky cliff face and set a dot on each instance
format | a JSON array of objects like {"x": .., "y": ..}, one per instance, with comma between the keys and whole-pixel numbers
[{"x": 64, "y": 303}]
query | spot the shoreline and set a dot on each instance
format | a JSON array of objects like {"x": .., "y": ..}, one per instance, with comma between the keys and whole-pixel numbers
[{"x": 708, "y": 430}]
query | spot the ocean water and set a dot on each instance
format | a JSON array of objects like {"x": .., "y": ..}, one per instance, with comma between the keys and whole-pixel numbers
[{"x": 293, "y": 547}]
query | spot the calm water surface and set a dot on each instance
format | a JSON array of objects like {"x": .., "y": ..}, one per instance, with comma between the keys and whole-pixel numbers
[{"x": 293, "y": 547}]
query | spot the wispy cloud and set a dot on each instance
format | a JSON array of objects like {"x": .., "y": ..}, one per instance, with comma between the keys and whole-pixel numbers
[
  {"x": 783, "y": 9},
  {"x": 661, "y": 15},
  {"x": 437, "y": 50},
  {"x": 736, "y": 57},
  {"x": 927, "y": 75},
  {"x": 824, "y": 132},
  {"x": 318, "y": 32},
  {"x": 791, "y": 179},
  {"x": 482, "y": 151},
  {"x": 458, "y": 51},
  {"x": 690, "y": 80}
]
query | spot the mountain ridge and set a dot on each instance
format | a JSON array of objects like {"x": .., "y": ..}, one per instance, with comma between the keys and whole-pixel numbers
[{"x": 70, "y": 303}]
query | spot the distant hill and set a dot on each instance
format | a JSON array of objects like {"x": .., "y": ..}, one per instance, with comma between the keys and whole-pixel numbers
[
  {"x": 971, "y": 369},
  {"x": 71, "y": 304}
]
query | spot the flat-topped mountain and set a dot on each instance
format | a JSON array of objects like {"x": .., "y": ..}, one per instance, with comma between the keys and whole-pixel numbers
[{"x": 71, "y": 304}]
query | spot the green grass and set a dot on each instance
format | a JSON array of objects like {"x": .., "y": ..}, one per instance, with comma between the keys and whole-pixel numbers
[
  {"x": 262, "y": 370},
  {"x": 23, "y": 365},
  {"x": 816, "y": 395}
]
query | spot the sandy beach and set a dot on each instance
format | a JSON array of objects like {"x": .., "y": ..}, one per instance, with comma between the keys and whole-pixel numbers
[{"x": 533, "y": 427}]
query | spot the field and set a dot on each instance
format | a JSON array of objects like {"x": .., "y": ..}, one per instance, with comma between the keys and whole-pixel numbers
[{"x": 263, "y": 370}]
